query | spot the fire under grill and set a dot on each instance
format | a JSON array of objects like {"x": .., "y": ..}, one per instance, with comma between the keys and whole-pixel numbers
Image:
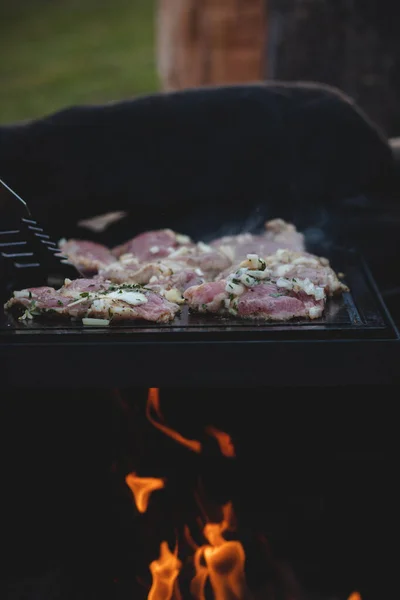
[
  {"x": 356, "y": 342},
  {"x": 174, "y": 510}
]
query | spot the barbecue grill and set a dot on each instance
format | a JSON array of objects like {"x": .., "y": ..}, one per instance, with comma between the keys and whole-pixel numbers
[
  {"x": 292, "y": 447},
  {"x": 356, "y": 342}
]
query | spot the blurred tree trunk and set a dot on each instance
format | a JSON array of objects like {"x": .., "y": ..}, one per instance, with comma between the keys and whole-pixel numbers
[
  {"x": 207, "y": 42},
  {"x": 351, "y": 44}
]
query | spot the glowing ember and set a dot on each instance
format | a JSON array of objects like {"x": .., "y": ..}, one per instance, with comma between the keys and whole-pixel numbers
[
  {"x": 354, "y": 596},
  {"x": 153, "y": 406},
  {"x": 224, "y": 441},
  {"x": 164, "y": 572},
  {"x": 141, "y": 488}
]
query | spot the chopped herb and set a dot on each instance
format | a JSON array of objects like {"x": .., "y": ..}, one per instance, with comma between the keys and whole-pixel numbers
[
  {"x": 231, "y": 297},
  {"x": 126, "y": 286},
  {"x": 120, "y": 291},
  {"x": 263, "y": 264},
  {"x": 60, "y": 303},
  {"x": 204, "y": 306},
  {"x": 84, "y": 294},
  {"x": 236, "y": 281},
  {"x": 30, "y": 295},
  {"x": 276, "y": 295}
]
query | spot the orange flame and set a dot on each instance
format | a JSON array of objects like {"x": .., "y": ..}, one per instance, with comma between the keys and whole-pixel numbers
[
  {"x": 164, "y": 572},
  {"x": 141, "y": 488},
  {"x": 226, "y": 570},
  {"x": 213, "y": 531},
  {"x": 153, "y": 405},
  {"x": 224, "y": 441},
  {"x": 354, "y": 596},
  {"x": 221, "y": 561},
  {"x": 198, "y": 583}
]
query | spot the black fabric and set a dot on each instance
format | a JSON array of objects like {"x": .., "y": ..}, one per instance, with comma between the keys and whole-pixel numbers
[{"x": 195, "y": 159}]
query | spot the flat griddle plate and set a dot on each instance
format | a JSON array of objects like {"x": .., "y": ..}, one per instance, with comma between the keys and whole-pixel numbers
[{"x": 353, "y": 343}]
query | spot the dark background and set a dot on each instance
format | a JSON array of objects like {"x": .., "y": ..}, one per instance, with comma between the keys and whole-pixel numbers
[{"x": 316, "y": 469}]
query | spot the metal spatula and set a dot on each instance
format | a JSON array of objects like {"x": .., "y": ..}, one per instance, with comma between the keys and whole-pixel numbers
[{"x": 29, "y": 256}]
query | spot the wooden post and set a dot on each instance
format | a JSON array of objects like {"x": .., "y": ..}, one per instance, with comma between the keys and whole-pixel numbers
[{"x": 210, "y": 42}]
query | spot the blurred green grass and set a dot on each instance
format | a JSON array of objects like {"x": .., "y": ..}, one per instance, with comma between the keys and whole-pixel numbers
[{"x": 57, "y": 53}]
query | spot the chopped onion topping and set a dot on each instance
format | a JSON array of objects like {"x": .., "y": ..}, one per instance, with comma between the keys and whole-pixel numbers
[
  {"x": 154, "y": 249},
  {"x": 282, "y": 253},
  {"x": 27, "y": 315},
  {"x": 253, "y": 260},
  {"x": 247, "y": 278},
  {"x": 233, "y": 286},
  {"x": 315, "y": 312},
  {"x": 305, "y": 260},
  {"x": 304, "y": 284},
  {"x": 265, "y": 274},
  {"x": 283, "y": 270},
  {"x": 284, "y": 283},
  {"x": 182, "y": 239},
  {"x": 94, "y": 322},
  {"x": 85, "y": 299},
  {"x": 133, "y": 298},
  {"x": 174, "y": 295},
  {"x": 311, "y": 289},
  {"x": 204, "y": 247},
  {"x": 22, "y": 294},
  {"x": 128, "y": 259},
  {"x": 179, "y": 252}
]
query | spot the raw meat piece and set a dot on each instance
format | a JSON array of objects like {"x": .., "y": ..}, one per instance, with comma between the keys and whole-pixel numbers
[
  {"x": 88, "y": 257},
  {"x": 94, "y": 299},
  {"x": 278, "y": 234},
  {"x": 251, "y": 293},
  {"x": 152, "y": 244}
]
